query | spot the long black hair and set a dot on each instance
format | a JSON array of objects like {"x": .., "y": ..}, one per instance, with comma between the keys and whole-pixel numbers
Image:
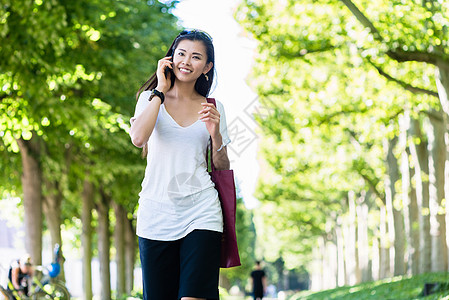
[{"x": 202, "y": 85}]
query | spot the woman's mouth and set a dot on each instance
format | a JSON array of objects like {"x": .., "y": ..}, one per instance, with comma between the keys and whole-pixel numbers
[{"x": 186, "y": 71}]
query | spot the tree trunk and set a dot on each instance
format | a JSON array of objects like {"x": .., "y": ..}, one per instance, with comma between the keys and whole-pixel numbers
[
  {"x": 362, "y": 239},
  {"x": 331, "y": 260},
  {"x": 119, "y": 237},
  {"x": 341, "y": 271},
  {"x": 86, "y": 237},
  {"x": 442, "y": 80},
  {"x": 395, "y": 218},
  {"x": 52, "y": 210},
  {"x": 350, "y": 236},
  {"x": 437, "y": 155},
  {"x": 375, "y": 266},
  {"x": 323, "y": 265},
  {"x": 104, "y": 246},
  {"x": 442, "y": 76},
  {"x": 32, "y": 196},
  {"x": 414, "y": 227},
  {"x": 418, "y": 150},
  {"x": 446, "y": 181},
  {"x": 130, "y": 254},
  {"x": 385, "y": 245},
  {"x": 409, "y": 198}
]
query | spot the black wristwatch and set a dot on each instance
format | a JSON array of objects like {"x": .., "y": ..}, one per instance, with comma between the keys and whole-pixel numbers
[{"x": 155, "y": 92}]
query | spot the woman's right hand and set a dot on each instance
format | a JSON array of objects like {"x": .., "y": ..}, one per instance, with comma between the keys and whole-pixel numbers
[{"x": 163, "y": 83}]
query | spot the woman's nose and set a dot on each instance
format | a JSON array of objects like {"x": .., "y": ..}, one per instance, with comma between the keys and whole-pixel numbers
[{"x": 186, "y": 60}]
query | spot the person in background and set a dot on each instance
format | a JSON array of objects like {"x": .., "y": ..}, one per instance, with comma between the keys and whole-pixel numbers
[
  {"x": 19, "y": 273},
  {"x": 258, "y": 281}
]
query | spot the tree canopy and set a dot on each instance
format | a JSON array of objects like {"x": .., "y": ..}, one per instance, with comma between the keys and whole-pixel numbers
[{"x": 336, "y": 75}]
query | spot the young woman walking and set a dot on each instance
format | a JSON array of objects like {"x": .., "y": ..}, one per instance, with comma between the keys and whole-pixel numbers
[{"x": 179, "y": 222}]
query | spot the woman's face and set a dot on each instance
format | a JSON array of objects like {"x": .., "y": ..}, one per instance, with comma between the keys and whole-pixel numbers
[{"x": 190, "y": 60}]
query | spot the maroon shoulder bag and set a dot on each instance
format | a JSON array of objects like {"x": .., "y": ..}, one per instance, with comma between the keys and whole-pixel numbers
[{"x": 225, "y": 186}]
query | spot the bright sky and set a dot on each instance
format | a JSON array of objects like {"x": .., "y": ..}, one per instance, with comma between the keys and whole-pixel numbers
[{"x": 233, "y": 59}]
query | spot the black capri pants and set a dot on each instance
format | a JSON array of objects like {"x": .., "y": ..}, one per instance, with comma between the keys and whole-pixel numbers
[{"x": 188, "y": 267}]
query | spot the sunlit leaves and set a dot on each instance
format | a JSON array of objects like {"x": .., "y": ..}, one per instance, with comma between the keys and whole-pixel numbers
[
  {"x": 334, "y": 91},
  {"x": 69, "y": 73}
]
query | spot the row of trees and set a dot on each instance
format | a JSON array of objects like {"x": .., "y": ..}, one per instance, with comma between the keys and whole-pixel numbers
[
  {"x": 69, "y": 71},
  {"x": 356, "y": 148},
  {"x": 68, "y": 76}
]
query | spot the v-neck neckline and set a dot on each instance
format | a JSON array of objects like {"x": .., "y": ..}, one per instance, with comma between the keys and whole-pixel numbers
[{"x": 176, "y": 123}]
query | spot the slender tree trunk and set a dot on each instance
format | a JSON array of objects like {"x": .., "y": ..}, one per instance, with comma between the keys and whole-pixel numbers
[
  {"x": 362, "y": 239},
  {"x": 414, "y": 227},
  {"x": 409, "y": 198},
  {"x": 437, "y": 155},
  {"x": 130, "y": 254},
  {"x": 315, "y": 276},
  {"x": 442, "y": 76},
  {"x": 86, "y": 237},
  {"x": 385, "y": 245},
  {"x": 405, "y": 173},
  {"x": 119, "y": 234},
  {"x": 52, "y": 210},
  {"x": 418, "y": 150},
  {"x": 341, "y": 271},
  {"x": 446, "y": 180},
  {"x": 104, "y": 246},
  {"x": 331, "y": 260},
  {"x": 32, "y": 196},
  {"x": 323, "y": 265},
  {"x": 350, "y": 236},
  {"x": 375, "y": 267},
  {"x": 395, "y": 218}
]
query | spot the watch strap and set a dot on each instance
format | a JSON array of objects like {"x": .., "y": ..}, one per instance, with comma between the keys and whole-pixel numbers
[{"x": 155, "y": 92}]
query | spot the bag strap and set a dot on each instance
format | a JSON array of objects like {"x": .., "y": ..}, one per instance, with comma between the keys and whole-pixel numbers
[{"x": 210, "y": 164}]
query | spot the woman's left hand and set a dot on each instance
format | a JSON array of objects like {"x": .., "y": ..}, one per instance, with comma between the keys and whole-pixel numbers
[{"x": 210, "y": 116}]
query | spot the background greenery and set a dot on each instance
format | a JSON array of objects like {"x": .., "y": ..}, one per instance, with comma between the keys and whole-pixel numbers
[{"x": 352, "y": 154}]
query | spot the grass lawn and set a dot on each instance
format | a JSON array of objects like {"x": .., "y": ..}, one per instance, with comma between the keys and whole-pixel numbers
[{"x": 397, "y": 288}]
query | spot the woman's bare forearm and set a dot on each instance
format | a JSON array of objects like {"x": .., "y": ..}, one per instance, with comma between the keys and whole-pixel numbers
[
  {"x": 219, "y": 158},
  {"x": 143, "y": 125}
]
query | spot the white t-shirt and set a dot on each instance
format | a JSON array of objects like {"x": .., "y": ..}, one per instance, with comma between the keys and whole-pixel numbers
[{"x": 177, "y": 193}]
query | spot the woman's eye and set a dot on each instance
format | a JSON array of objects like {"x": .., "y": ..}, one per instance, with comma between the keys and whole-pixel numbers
[{"x": 196, "y": 57}]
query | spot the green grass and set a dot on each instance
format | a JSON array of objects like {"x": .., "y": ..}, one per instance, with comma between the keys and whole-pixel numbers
[{"x": 397, "y": 288}]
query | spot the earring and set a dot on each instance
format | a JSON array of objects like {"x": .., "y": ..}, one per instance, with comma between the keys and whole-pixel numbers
[{"x": 207, "y": 77}]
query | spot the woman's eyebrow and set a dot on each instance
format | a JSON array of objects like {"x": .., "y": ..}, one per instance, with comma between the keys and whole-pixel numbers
[{"x": 196, "y": 53}]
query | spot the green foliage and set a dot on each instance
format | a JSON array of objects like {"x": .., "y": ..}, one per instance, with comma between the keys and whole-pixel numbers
[
  {"x": 73, "y": 82},
  {"x": 334, "y": 89},
  {"x": 400, "y": 287},
  {"x": 69, "y": 71}
]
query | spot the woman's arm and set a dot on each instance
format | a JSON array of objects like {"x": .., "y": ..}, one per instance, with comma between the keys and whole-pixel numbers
[
  {"x": 219, "y": 158},
  {"x": 211, "y": 116},
  {"x": 15, "y": 278},
  {"x": 143, "y": 125}
]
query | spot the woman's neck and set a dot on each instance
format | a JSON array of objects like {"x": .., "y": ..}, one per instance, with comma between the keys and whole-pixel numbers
[{"x": 183, "y": 91}]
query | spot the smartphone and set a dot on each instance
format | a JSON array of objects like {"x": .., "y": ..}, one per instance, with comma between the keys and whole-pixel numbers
[{"x": 168, "y": 71}]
